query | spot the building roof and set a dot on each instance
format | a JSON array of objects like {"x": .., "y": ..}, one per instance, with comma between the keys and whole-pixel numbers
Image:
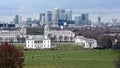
[
  {"x": 37, "y": 37},
  {"x": 89, "y": 40},
  {"x": 61, "y": 32},
  {"x": 6, "y": 32}
]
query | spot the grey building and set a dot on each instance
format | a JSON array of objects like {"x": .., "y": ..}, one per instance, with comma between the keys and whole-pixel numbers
[
  {"x": 42, "y": 18},
  {"x": 62, "y": 14},
  {"x": 77, "y": 20},
  {"x": 69, "y": 15},
  {"x": 55, "y": 15},
  {"x": 82, "y": 20},
  {"x": 48, "y": 17},
  {"x": 16, "y": 19}
]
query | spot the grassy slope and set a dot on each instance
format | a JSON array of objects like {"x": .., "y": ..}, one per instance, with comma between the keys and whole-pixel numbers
[{"x": 70, "y": 58}]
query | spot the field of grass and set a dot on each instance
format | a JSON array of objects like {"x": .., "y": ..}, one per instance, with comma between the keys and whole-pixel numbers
[{"x": 70, "y": 58}]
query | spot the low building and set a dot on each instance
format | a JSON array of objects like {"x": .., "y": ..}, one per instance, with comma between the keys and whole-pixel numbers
[
  {"x": 10, "y": 36},
  {"x": 86, "y": 42},
  {"x": 62, "y": 36},
  {"x": 37, "y": 42}
]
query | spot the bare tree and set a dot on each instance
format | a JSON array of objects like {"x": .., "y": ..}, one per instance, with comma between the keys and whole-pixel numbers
[{"x": 10, "y": 56}]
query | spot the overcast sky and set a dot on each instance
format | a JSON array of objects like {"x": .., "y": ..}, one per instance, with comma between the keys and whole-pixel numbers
[{"x": 107, "y": 9}]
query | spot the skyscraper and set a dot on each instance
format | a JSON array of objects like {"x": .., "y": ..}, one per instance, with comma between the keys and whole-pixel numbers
[
  {"x": 62, "y": 14},
  {"x": 48, "y": 17},
  {"x": 69, "y": 15},
  {"x": 16, "y": 19},
  {"x": 82, "y": 20},
  {"x": 114, "y": 20},
  {"x": 29, "y": 19},
  {"x": 85, "y": 17},
  {"x": 42, "y": 18},
  {"x": 78, "y": 20},
  {"x": 99, "y": 19},
  {"x": 55, "y": 15}
]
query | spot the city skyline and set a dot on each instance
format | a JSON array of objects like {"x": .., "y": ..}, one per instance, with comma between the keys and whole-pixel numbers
[{"x": 32, "y": 8}]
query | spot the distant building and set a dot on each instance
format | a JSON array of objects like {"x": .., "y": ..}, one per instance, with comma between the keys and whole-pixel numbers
[
  {"x": 86, "y": 42},
  {"x": 114, "y": 21},
  {"x": 82, "y": 20},
  {"x": 16, "y": 20},
  {"x": 5, "y": 25},
  {"x": 39, "y": 41},
  {"x": 62, "y": 14},
  {"x": 99, "y": 19},
  {"x": 55, "y": 15},
  {"x": 42, "y": 18},
  {"x": 85, "y": 16},
  {"x": 29, "y": 20},
  {"x": 69, "y": 15},
  {"x": 62, "y": 36},
  {"x": 10, "y": 36},
  {"x": 49, "y": 17},
  {"x": 78, "y": 20}
]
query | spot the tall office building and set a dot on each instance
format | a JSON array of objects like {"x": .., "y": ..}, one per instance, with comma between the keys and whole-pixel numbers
[
  {"x": 85, "y": 17},
  {"x": 99, "y": 22},
  {"x": 62, "y": 14},
  {"x": 16, "y": 19},
  {"x": 29, "y": 19},
  {"x": 20, "y": 20},
  {"x": 82, "y": 20},
  {"x": 55, "y": 15},
  {"x": 42, "y": 18},
  {"x": 99, "y": 19},
  {"x": 69, "y": 15},
  {"x": 114, "y": 20},
  {"x": 77, "y": 20},
  {"x": 48, "y": 17}
]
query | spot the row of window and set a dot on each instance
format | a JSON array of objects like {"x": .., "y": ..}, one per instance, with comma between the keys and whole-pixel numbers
[
  {"x": 46, "y": 41},
  {"x": 38, "y": 46},
  {"x": 30, "y": 41},
  {"x": 38, "y": 41}
]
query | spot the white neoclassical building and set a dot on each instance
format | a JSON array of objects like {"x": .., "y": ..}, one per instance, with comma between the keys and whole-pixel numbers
[
  {"x": 62, "y": 35},
  {"x": 11, "y": 36},
  {"x": 39, "y": 41},
  {"x": 86, "y": 42}
]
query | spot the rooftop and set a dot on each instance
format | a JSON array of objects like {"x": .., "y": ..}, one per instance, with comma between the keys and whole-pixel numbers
[
  {"x": 61, "y": 32},
  {"x": 36, "y": 37},
  {"x": 86, "y": 39}
]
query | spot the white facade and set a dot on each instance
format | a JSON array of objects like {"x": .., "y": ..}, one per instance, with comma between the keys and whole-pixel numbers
[
  {"x": 62, "y": 35},
  {"x": 85, "y": 42},
  {"x": 10, "y": 36},
  {"x": 46, "y": 43},
  {"x": 38, "y": 42}
]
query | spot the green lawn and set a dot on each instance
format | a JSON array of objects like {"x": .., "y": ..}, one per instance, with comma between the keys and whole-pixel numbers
[{"x": 68, "y": 58}]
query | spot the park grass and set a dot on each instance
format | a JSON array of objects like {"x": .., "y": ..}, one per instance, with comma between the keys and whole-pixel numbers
[{"x": 75, "y": 58}]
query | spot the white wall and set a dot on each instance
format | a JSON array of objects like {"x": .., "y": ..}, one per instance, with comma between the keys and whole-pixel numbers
[
  {"x": 46, "y": 43},
  {"x": 30, "y": 44},
  {"x": 86, "y": 44}
]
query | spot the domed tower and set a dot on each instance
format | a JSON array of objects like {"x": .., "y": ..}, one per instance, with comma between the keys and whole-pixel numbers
[{"x": 46, "y": 31}]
